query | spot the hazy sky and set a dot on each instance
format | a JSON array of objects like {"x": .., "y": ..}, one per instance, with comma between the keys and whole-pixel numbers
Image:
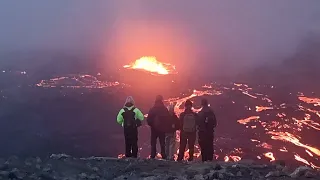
[{"x": 178, "y": 31}]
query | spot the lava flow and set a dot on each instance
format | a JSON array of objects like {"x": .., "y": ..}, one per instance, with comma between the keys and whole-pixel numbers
[
  {"x": 275, "y": 121},
  {"x": 76, "y": 81},
  {"x": 151, "y": 64},
  {"x": 273, "y": 128}
]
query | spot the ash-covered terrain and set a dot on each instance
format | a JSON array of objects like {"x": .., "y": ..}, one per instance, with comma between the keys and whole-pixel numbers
[{"x": 61, "y": 166}]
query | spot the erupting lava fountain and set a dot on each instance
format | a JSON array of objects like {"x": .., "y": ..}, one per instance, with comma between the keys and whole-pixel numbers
[
  {"x": 148, "y": 74},
  {"x": 150, "y": 64}
]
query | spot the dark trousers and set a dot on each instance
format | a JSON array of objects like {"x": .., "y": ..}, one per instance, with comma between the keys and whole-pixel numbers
[
  {"x": 154, "y": 136},
  {"x": 190, "y": 138},
  {"x": 131, "y": 142},
  {"x": 206, "y": 145}
]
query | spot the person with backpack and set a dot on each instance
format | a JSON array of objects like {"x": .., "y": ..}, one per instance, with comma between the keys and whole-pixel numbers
[
  {"x": 130, "y": 118},
  {"x": 207, "y": 123},
  {"x": 171, "y": 135},
  {"x": 188, "y": 120},
  {"x": 159, "y": 121}
]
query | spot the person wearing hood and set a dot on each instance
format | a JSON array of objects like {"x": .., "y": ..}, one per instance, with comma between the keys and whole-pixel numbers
[
  {"x": 188, "y": 120},
  {"x": 207, "y": 123},
  {"x": 170, "y": 139},
  {"x": 130, "y": 117},
  {"x": 160, "y": 122}
]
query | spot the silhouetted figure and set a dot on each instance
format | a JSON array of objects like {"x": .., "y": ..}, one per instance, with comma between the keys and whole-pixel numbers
[
  {"x": 188, "y": 120},
  {"x": 159, "y": 121},
  {"x": 171, "y": 135},
  {"x": 207, "y": 123},
  {"x": 130, "y": 118}
]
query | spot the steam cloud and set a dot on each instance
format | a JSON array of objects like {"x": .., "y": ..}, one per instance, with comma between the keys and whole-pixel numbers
[{"x": 207, "y": 33}]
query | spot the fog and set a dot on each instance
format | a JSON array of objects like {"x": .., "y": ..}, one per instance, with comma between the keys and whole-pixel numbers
[{"x": 207, "y": 33}]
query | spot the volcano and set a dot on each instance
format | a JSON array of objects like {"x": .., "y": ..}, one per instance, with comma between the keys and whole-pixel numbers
[{"x": 147, "y": 74}]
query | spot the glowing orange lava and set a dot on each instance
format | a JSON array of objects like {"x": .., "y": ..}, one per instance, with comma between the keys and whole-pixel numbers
[
  {"x": 314, "y": 101},
  {"x": 270, "y": 156},
  {"x": 298, "y": 158},
  {"x": 76, "y": 82},
  {"x": 278, "y": 123},
  {"x": 151, "y": 64},
  {"x": 285, "y": 136},
  {"x": 261, "y": 108},
  {"x": 249, "y": 119}
]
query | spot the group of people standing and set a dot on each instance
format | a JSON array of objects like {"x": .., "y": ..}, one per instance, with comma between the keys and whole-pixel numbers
[{"x": 164, "y": 123}]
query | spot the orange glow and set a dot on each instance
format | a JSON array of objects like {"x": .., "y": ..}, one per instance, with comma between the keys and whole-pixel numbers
[
  {"x": 121, "y": 156},
  {"x": 283, "y": 149},
  {"x": 298, "y": 158},
  {"x": 249, "y": 119},
  {"x": 310, "y": 154},
  {"x": 314, "y": 101},
  {"x": 76, "y": 82},
  {"x": 285, "y": 136},
  {"x": 261, "y": 108},
  {"x": 150, "y": 63},
  {"x": 226, "y": 159},
  {"x": 270, "y": 156},
  {"x": 265, "y": 145},
  {"x": 235, "y": 158}
]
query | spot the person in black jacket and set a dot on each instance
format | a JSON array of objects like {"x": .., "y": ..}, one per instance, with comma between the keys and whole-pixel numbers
[
  {"x": 160, "y": 122},
  {"x": 188, "y": 128},
  {"x": 207, "y": 122}
]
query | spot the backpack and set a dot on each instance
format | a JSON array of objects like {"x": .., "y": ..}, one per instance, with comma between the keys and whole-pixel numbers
[
  {"x": 189, "y": 122},
  {"x": 129, "y": 120}
]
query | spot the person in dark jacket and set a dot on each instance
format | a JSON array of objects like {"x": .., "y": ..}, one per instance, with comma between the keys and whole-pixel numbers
[
  {"x": 130, "y": 117},
  {"x": 171, "y": 136},
  {"x": 207, "y": 123},
  {"x": 159, "y": 121},
  {"x": 188, "y": 120}
]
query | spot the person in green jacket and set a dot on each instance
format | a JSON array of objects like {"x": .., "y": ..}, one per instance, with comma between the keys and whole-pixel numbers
[{"x": 130, "y": 118}]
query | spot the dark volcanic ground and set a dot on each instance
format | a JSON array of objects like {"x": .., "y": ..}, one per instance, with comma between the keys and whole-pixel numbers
[{"x": 62, "y": 166}]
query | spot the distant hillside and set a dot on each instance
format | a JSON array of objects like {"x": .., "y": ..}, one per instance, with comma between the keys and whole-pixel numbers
[
  {"x": 306, "y": 60},
  {"x": 300, "y": 70}
]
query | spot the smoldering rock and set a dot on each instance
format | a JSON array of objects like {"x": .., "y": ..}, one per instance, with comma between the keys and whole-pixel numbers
[
  {"x": 217, "y": 167},
  {"x": 145, "y": 174},
  {"x": 281, "y": 163},
  {"x": 81, "y": 168},
  {"x": 310, "y": 174},
  {"x": 38, "y": 160},
  {"x": 4, "y": 173},
  {"x": 4, "y": 167},
  {"x": 239, "y": 174},
  {"x": 59, "y": 156},
  {"x": 275, "y": 174},
  {"x": 199, "y": 168},
  {"x": 300, "y": 171},
  {"x": 199, "y": 177}
]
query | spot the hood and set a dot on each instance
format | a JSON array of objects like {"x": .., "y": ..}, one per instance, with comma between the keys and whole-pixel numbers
[{"x": 129, "y": 102}]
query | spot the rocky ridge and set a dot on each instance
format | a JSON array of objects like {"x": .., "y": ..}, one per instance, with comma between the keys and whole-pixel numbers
[{"x": 65, "y": 167}]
